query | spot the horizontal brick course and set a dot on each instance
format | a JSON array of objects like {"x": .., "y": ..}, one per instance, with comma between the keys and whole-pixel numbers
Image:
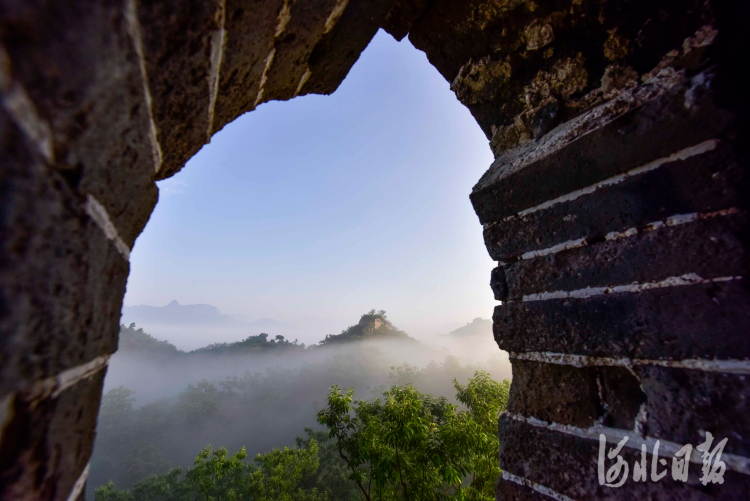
[
  {"x": 575, "y": 396},
  {"x": 706, "y": 182},
  {"x": 45, "y": 447},
  {"x": 680, "y": 404},
  {"x": 506, "y": 490},
  {"x": 60, "y": 302},
  {"x": 710, "y": 248},
  {"x": 694, "y": 321},
  {"x": 654, "y": 130},
  {"x": 567, "y": 464},
  {"x": 683, "y": 403},
  {"x": 90, "y": 93}
]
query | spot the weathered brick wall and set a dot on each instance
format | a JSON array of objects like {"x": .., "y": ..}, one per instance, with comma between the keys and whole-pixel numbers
[
  {"x": 616, "y": 207},
  {"x": 99, "y": 100}
]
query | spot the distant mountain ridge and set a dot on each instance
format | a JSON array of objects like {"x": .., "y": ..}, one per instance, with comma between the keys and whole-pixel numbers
[
  {"x": 198, "y": 314},
  {"x": 478, "y": 326},
  {"x": 177, "y": 314}
]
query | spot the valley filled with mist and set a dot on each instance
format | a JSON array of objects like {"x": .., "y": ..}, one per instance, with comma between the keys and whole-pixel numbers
[{"x": 163, "y": 405}]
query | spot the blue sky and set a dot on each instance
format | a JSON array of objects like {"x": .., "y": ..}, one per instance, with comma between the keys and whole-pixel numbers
[{"x": 323, "y": 207}]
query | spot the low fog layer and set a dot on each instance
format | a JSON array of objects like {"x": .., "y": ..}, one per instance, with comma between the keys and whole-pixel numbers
[{"x": 162, "y": 404}]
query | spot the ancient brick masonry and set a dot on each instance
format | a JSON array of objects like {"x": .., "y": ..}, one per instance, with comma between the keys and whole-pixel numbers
[
  {"x": 99, "y": 100},
  {"x": 616, "y": 207}
]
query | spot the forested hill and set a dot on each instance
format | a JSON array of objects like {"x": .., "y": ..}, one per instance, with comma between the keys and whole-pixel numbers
[
  {"x": 251, "y": 344},
  {"x": 132, "y": 339},
  {"x": 372, "y": 326},
  {"x": 477, "y": 327},
  {"x": 136, "y": 340}
]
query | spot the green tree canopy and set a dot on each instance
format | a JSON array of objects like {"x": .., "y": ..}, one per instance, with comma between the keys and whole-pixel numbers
[
  {"x": 217, "y": 476},
  {"x": 412, "y": 446}
]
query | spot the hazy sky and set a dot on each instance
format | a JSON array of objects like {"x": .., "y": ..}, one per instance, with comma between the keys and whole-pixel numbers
[{"x": 327, "y": 206}]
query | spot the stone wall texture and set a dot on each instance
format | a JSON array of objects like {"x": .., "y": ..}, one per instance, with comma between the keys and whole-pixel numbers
[{"x": 616, "y": 207}]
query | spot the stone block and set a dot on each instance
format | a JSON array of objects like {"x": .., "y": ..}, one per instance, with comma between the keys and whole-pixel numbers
[
  {"x": 402, "y": 16},
  {"x": 683, "y": 404},
  {"x": 705, "y": 183},
  {"x": 537, "y": 39},
  {"x": 299, "y": 30},
  {"x": 45, "y": 447},
  {"x": 567, "y": 464},
  {"x": 707, "y": 248},
  {"x": 554, "y": 393},
  {"x": 77, "y": 62},
  {"x": 575, "y": 396},
  {"x": 673, "y": 323},
  {"x": 663, "y": 125},
  {"x": 338, "y": 49},
  {"x": 250, "y": 28},
  {"x": 61, "y": 280},
  {"x": 179, "y": 39},
  {"x": 506, "y": 490}
]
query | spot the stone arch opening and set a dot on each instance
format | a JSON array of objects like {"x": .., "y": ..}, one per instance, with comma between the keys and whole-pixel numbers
[
  {"x": 377, "y": 170},
  {"x": 616, "y": 206}
]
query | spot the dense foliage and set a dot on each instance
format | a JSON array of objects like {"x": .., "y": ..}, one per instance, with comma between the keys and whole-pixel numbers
[
  {"x": 158, "y": 421},
  {"x": 250, "y": 344},
  {"x": 407, "y": 446},
  {"x": 416, "y": 446},
  {"x": 134, "y": 441},
  {"x": 216, "y": 476},
  {"x": 132, "y": 339}
]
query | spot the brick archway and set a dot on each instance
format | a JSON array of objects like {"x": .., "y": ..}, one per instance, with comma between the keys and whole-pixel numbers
[{"x": 616, "y": 207}]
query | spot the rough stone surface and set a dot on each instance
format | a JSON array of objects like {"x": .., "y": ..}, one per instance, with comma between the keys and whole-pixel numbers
[
  {"x": 705, "y": 183},
  {"x": 683, "y": 404},
  {"x": 661, "y": 126},
  {"x": 554, "y": 393},
  {"x": 575, "y": 396},
  {"x": 61, "y": 280},
  {"x": 177, "y": 47},
  {"x": 674, "y": 323},
  {"x": 276, "y": 49},
  {"x": 709, "y": 248},
  {"x": 511, "y": 491},
  {"x": 402, "y": 16},
  {"x": 250, "y": 28},
  {"x": 556, "y": 49},
  {"x": 47, "y": 445},
  {"x": 294, "y": 41},
  {"x": 338, "y": 49},
  {"x": 76, "y": 61},
  {"x": 271, "y": 50},
  {"x": 567, "y": 465}
]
